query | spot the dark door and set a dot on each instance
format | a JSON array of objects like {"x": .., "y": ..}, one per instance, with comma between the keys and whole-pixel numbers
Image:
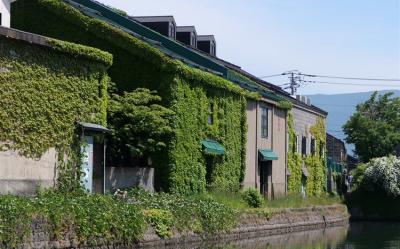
[{"x": 264, "y": 178}]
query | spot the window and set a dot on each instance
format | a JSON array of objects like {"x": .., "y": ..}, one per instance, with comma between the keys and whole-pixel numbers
[
  {"x": 211, "y": 114},
  {"x": 312, "y": 145},
  {"x": 304, "y": 146},
  {"x": 0, "y": 20},
  {"x": 288, "y": 141},
  {"x": 322, "y": 149},
  {"x": 264, "y": 122}
]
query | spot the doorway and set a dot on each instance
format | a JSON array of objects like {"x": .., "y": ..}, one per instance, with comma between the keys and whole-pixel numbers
[{"x": 265, "y": 177}]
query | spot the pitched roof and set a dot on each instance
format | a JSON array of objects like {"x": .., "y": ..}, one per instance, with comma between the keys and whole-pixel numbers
[
  {"x": 76, "y": 50},
  {"x": 107, "y": 14},
  {"x": 186, "y": 53}
]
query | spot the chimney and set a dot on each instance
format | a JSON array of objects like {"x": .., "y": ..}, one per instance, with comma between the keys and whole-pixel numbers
[
  {"x": 207, "y": 43},
  {"x": 164, "y": 25},
  {"x": 187, "y": 35},
  {"x": 304, "y": 99}
]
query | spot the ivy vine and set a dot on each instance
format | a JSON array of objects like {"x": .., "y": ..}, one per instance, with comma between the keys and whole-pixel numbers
[
  {"x": 187, "y": 91},
  {"x": 44, "y": 92},
  {"x": 315, "y": 163}
]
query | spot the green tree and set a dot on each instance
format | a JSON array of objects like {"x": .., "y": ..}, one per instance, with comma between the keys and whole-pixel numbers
[
  {"x": 374, "y": 128},
  {"x": 140, "y": 126}
]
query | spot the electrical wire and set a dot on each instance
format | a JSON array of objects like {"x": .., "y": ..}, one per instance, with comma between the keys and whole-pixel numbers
[
  {"x": 347, "y": 78},
  {"x": 349, "y": 84},
  {"x": 268, "y": 76}
]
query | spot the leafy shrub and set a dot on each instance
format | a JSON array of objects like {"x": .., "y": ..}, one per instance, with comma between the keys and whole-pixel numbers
[
  {"x": 162, "y": 220},
  {"x": 201, "y": 214},
  {"x": 382, "y": 175},
  {"x": 253, "y": 198},
  {"x": 358, "y": 174},
  {"x": 15, "y": 219},
  {"x": 88, "y": 217}
]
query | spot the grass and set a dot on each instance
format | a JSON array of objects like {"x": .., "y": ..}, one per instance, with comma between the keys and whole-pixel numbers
[
  {"x": 235, "y": 201},
  {"x": 297, "y": 201}
]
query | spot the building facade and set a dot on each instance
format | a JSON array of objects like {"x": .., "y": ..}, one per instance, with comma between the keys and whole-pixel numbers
[
  {"x": 336, "y": 149},
  {"x": 218, "y": 105},
  {"x": 266, "y": 148},
  {"x": 41, "y": 102}
]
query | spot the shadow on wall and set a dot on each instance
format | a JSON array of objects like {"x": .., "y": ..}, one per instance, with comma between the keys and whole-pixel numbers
[{"x": 128, "y": 177}]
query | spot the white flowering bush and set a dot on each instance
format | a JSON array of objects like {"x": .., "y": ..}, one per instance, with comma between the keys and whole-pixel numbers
[{"x": 383, "y": 175}]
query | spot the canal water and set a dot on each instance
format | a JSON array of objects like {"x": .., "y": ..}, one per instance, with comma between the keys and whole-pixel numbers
[{"x": 354, "y": 236}]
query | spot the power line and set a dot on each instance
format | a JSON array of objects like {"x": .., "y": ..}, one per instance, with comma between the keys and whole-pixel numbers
[
  {"x": 335, "y": 105},
  {"x": 331, "y": 77},
  {"x": 349, "y": 84},
  {"x": 347, "y": 78},
  {"x": 268, "y": 76}
]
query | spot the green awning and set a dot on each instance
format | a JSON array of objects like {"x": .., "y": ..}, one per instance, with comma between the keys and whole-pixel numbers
[
  {"x": 267, "y": 155},
  {"x": 213, "y": 147}
]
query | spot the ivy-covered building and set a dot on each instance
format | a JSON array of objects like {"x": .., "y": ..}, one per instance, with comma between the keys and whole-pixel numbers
[
  {"x": 47, "y": 86},
  {"x": 307, "y": 149},
  {"x": 251, "y": 136},
  {"x": 208, "y": 147}
]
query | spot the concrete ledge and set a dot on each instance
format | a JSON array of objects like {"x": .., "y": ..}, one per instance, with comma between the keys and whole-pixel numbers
[
  {"x": 253, "y": 226},
  {"x": 250, "y": 226}
]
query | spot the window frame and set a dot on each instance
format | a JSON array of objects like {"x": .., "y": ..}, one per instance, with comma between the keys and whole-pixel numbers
[
  {"x": 264, "y": 122},
  {"x": 304, "y": 145},
  {"x": 313, "y": 146},
  {"x": 210, "y": 118}
]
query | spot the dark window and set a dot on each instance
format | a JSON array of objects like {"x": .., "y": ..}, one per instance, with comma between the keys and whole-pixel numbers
[
  {"x": 0, "y": 20},
  {"x": 211, "y": 114},
  {"x": 321, "y": 149},
  {"x": 313, "y": 146},
  {"x": 264, "y": 122},
  {"x": 304, "y": 146}
]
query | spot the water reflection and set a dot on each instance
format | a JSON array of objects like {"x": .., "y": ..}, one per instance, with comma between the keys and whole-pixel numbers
[
  {"x": 356, "y": 236},
  {"x": 372, "y": 235},
  {"x": 315, "y": 239}
]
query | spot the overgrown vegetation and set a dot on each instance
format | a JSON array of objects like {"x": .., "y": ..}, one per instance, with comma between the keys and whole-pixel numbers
[
  {"x": 46, "y": 93},
  {"x": 47, "y": 90},
  {"x": 253, "y": 198},
  {"x": 140, "y": 126},
  {"x": 376, "y": 188},
  {"x": 82, "y": 216},
  {"x": 87, "y": 218},
  {"x": 198, "y": 213},
  {"x": 189, "y": 171},
  {"x": 187, "y": 91},
  {"x": 315, "y": 163},
  {"x": 294, "y": 159},
  {"x": 381, "y": 176}
]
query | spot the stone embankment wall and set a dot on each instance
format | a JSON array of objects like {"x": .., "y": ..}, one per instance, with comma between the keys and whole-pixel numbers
[{"x": 250, "y": 225}]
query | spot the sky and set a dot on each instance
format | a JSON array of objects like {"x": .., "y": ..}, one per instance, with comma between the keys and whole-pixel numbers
[{"x": 358, "y": 38}]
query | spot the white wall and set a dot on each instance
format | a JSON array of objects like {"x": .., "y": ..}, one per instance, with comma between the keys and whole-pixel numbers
[
  {"x": 5, "y": 12},
  {"x": 128, "y": 177},
  {"x": 21, "y": 175}
]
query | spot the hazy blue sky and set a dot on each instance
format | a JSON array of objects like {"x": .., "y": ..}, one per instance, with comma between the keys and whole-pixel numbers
[{"x": 359, "y": 38}]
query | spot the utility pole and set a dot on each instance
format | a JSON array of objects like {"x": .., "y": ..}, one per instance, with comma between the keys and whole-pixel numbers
[
  {"x": 296, "y": 79},
  {"x": 293, "y": 85}
]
